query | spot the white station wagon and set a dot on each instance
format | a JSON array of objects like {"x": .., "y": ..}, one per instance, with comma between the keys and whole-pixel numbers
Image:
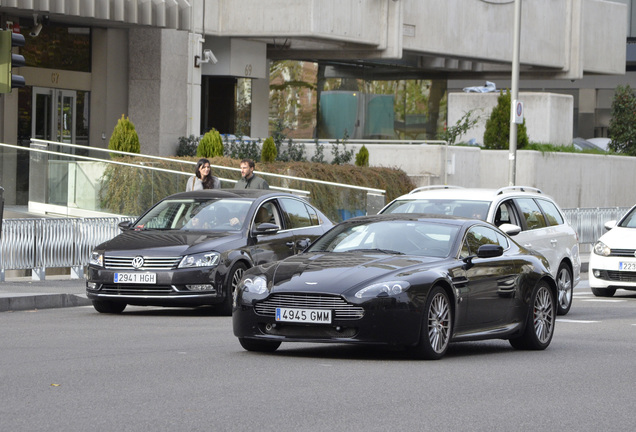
[{"x": 535, "y": 216}]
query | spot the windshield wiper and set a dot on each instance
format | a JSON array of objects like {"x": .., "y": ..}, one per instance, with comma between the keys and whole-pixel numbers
[{"x": 385, "y": 251}]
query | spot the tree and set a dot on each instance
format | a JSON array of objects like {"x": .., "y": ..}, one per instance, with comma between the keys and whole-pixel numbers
[
  {"x": 124, "y": 137},
  {"x": 211, "y": 145},
  {"x": 463, "y": 125},
  {"x": 497, "y": 134},
  {"x": 269, "y": 152},
  {"x": 622, "y": 127},
  {"x": 362, "y": 157}
]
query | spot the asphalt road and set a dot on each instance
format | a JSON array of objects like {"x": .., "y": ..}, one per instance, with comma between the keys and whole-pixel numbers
[{"x": 73, "y": 369}]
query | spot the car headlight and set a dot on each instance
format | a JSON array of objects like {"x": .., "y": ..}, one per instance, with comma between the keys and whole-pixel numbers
[
  {"x": 601, "y": 248},
  {"x": 206, "y": 259},
  {"x": 254, "y": 285},
  {"x": 250, "y": 290},
  {"x": 96, "y": 259},
  {"x": 383, "y": 289}
]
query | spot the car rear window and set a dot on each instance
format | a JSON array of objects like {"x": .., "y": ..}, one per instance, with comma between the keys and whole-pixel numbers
[{"x": 461, "y": 208}]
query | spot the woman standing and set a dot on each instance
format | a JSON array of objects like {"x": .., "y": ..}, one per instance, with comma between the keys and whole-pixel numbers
[{"x": 203, "y": 178}]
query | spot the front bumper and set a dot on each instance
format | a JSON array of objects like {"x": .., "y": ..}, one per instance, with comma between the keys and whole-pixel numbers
[
  {"x": 384, "y": 322},
  {"x": 604, "y": 272},
  {"x": 170, "y": 288}
]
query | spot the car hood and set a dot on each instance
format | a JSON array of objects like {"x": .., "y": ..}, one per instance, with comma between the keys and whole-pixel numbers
[
  {"x": 339, "y": 272},
  {"x": 620, "y": 238},
  {"x": 167, "y": 243}
]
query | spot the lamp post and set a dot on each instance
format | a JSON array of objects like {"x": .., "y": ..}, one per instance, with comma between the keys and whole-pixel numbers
[{"x": 512, "y": 157}]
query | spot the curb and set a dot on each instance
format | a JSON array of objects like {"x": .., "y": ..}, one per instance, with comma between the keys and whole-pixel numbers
[{"x": 20, "y": 302}]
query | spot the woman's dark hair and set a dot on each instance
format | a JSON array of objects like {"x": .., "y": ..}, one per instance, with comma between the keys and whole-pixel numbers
[{"x": 208, "y": 182}]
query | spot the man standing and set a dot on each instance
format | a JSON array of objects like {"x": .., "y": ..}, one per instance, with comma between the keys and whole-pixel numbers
[{"x": 249, "y": 180}]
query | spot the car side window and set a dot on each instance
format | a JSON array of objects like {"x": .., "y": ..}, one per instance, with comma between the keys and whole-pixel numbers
[
  {"x": 480, "y": 235},
  {"x": 531, "y": 212},
  {"x": 267, "y": 213},
  {"x": 297, "y": 213},
  {"x": 551, "y": 211},
  {"x": 506, "y": 214}
]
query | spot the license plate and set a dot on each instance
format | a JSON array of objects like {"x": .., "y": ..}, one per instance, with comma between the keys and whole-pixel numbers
[
  {"x": 627, "y": 266},
  {"x": 136, "y": 278},
  {"x": 314, "y": 316}
]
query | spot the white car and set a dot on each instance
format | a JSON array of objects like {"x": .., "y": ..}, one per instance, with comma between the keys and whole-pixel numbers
[
  {"x": 532, "y": 217},
  {"x": 613, "y": 258}
]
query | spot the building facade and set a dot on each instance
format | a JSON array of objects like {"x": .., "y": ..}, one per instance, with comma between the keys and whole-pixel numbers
[{"x": 180, "y": 67}]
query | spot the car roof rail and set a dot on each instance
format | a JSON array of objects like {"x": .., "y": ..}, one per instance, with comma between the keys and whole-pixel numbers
[
  {"x": 431, "y": 187},
  {"x": 518, "y": 188}
]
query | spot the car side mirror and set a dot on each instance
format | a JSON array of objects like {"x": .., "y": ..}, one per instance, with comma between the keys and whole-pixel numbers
[
  {"x": 303, "y": 244},
  {"x": 510, "y": 229},
  {"x": 489, "y": 251},
  {"x": 265, "y": 228},
  {"x": 125, "y": 225},
  {"x": 609, "y": 225}
]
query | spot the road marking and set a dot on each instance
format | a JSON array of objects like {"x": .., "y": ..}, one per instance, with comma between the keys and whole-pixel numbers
[
  {"x": 603, "y": 300},
  {"x": 576, "y": 321}
]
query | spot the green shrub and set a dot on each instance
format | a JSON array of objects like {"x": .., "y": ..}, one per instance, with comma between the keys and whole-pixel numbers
[
  {"x": 497, "y": 134},
  {"x": 211, "y": 145},
  {"x": 295, "y": 152},
  {"x": 362, "y": 157},
  {"x": 622, "y": 128},
  {"x": 187, "y": 146},
  {"x": 240, "y": 149},
  {"x": 124, "y": 137},
  {"x": 269, "y": 152}
]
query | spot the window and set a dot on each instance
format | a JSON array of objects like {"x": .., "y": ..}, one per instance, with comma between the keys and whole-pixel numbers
[
  {"x": 299, "y": 217},
  {"x": 531, "y": 212},
  {"x": 480, "y": 235},
  {"x": 552, "y": 212}
]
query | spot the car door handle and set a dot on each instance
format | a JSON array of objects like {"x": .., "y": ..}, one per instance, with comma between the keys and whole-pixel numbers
[{"x": 553, "y": 242}]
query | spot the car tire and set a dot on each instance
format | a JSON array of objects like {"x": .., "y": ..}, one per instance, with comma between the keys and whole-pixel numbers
[
  {"x": 107, "y": 306},
  {"x": 259, "y": 345},
  {"x": 232, "y": 281},
  {"x": 565, "y": 289},
  {"x": 603, "y": 292},
  {"x": 436, "y": 329},
  {"x": 539, "y": 327}
]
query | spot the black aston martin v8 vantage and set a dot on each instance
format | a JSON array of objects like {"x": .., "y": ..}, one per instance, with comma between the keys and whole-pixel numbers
[
  {"x": 191, "y": 248},
  {"x": 418, "y": 281}
]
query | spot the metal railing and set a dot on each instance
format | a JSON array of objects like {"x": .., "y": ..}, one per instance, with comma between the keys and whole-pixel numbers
[
  {"x": 65, "y": 183},
  {"x": 37, "y": 244},
  {"x": 589, "y": 222}
]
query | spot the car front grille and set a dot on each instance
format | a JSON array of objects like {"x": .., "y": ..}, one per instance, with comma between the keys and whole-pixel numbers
[
  {"x": 150, "y": 263},
  {"x": 621, "y": 276},
  {"x": 623, "y": 253},
  {"x": 123, "y": 289},
  {"x": 341, "y": 309}
]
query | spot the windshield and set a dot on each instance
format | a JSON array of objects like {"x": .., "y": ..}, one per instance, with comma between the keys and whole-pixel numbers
[
  {"x": 196, "y": 215},
  {"x": 629, "y": 220},
  {"x": 392, "y": 237},
  {"x": 454, "y": 207}
]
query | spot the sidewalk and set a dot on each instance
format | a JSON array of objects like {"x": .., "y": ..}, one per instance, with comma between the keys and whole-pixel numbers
[
  {"x": 54, "y": 292},
  {"x": 62, "y": 291}
]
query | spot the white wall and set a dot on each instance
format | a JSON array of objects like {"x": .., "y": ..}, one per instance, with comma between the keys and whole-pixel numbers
[{"x": 548, "y": 116}]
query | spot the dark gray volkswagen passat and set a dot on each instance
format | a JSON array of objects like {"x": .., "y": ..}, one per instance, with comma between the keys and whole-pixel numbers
[
  {"x": 192, "y": 248},
  {"x": 416, "y": 281}
]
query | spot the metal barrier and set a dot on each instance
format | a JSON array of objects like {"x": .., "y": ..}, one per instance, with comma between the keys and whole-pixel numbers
[
  {"x": 37, "y": 244},
  {"x": 589, "y": 222}
]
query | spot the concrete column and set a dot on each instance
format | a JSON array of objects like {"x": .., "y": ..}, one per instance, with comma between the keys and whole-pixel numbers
[
  {"x": 587, "y": 113},
  {"x": 158, "y": 88}
]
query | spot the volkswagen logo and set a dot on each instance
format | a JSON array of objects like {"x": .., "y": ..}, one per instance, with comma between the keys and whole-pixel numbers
[{"x": 138, "y": 262}]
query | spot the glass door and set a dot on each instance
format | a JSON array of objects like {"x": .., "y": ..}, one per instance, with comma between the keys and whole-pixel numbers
[{"x": 53, "y": 119}]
